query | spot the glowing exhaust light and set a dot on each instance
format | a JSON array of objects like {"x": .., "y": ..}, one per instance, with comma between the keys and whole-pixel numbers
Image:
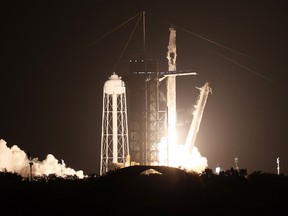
[
  {"x": 217, "y": 170},
  {"x": 184, "y": 156},
  {"x": 193, "y": 162},
  {"x": 180, "y": 158},
  {"x": 163, "y": 151}
]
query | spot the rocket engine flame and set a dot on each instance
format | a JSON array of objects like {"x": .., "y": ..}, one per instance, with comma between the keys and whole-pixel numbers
[{"x": 185, "y": 156}]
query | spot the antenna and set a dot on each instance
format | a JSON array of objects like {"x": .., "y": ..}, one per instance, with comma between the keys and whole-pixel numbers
[
  {"x": 30, "y": 166},
  {"x": 144, "y": 36}
]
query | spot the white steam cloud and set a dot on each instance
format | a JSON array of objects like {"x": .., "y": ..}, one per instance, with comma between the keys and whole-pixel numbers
[{"x": 16, "y": 161}]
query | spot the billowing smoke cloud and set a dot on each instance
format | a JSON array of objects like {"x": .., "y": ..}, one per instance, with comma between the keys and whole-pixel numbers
[
  {"x": 193, "y": 162},
  {"x": 16, "y": 161}
]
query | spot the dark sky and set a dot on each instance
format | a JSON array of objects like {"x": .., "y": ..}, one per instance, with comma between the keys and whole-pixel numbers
[{"x": 55, "y": 61}]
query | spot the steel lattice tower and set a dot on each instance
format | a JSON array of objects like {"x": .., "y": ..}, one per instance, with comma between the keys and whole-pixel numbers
[
  {"x": 156, "y": 119},
  {"x": 147, "y": 111},
  {"x": 114, "y": 137}
]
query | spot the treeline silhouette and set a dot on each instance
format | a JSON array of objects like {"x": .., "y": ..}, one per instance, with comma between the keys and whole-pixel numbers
[{"x": 134, "y": 191}]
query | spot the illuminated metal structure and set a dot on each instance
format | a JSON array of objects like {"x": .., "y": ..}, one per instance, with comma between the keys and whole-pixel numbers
[
  {"x": 147, "y": 117},
  {"x": 114, "y": 137},
  {"x": 155, "y": 109},
  {"x": 156, "y": 118}
]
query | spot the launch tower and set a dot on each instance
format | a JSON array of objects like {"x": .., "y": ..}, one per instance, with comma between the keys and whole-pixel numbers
[{"x": 147, "y": 111}]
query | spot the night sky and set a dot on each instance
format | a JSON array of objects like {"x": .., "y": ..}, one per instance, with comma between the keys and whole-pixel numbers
[{"x": 56, "y": 56}]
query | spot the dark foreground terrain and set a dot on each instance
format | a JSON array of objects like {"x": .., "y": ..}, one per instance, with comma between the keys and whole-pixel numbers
[{"x": 131, "y": 191}]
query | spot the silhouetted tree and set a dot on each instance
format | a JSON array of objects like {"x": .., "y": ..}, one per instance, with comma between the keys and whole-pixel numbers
[{"x": 10, "y": 177}]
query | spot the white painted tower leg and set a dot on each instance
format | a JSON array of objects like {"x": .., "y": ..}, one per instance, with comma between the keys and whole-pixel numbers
[{"x": 114, "y": 137}]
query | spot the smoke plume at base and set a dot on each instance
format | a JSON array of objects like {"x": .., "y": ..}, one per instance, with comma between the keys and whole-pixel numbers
[{"x": 16, "y": 160}]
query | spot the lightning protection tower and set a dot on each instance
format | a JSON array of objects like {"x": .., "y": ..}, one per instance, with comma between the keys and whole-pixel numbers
[{"x": 114, "y": 137}]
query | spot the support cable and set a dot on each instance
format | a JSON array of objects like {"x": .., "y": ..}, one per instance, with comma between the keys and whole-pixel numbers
[
  {"x": 220, "y": 45},
  {"x": 100, "y": 38},
  {"x": 127, "y": 42},
  {"x": 236, "y": 52},
  {"x": 254, "y": 72}
]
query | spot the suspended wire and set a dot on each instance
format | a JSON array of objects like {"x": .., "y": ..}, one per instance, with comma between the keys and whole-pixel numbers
[
  {"x": 100, "y": 38},
  {"x": 254, "y": 72},
  {"x": 234, "y": 51},
  {"x": 212, "y": 42},
  {"x": 185, "y": 30},
  {"x": 233, "y": 61},
  {"x": 220, "y": 45},
  {"x": 127, "y": 43},
  {"x": 91, "y": 44}
]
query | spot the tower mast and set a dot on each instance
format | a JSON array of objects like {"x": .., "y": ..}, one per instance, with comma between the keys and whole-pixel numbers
[{"x": 144, "y": 36}]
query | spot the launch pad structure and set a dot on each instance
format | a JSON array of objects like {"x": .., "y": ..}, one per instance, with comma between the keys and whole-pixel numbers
[
  {"x": 146, "y": 111},
  {"x": 153, "y": 119},
  {"x": 149, "y": 113}
]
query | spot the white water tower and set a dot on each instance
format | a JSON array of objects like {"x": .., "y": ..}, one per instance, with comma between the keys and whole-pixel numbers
[{"x": 114, "y": 137}]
